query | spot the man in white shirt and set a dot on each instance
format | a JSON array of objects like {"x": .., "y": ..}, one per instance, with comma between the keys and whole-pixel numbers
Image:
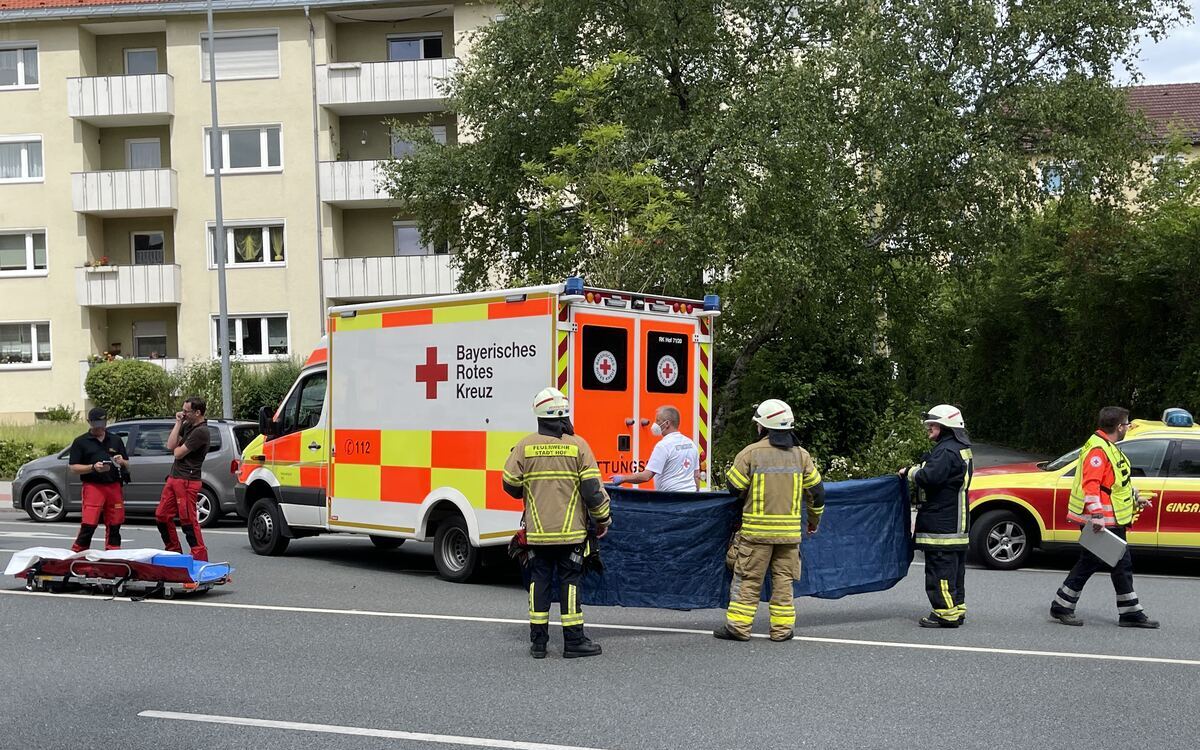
[{"x": 674, "y": 463}]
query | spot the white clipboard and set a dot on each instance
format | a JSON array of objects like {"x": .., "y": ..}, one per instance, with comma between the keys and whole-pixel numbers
[{"x": 1105, "y": 545}]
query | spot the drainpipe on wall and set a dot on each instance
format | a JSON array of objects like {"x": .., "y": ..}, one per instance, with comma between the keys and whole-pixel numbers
[{"x": 312, "y": 56}]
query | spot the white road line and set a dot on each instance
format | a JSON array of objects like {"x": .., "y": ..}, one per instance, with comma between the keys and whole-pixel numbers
[
  {"x": 31, "y": 524},
  {"x": 393, "y": 734},
  {"x": 643, "y": 628}
]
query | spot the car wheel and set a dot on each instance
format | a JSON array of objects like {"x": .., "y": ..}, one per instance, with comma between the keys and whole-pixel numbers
[
  {"x": 45, "y": 504},
  {"x": 265, "y": 529},
  {"x": 208, "y": 509},
  {"x": 386, "y": 542},
  {"x": 456, "y": 558},
  {"x": 1001, "y": 539}
]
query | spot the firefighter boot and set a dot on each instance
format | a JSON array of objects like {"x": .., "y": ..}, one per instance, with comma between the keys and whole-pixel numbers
[
  {"x": 1139, "y": 622},
  {"x": 581, "y": 647},
  {"x": 725, "y": 634},
  {"x": 933, "y": 621},
  {"x": 537, "y": 650},
  {"x": 1065, "y": 616}
]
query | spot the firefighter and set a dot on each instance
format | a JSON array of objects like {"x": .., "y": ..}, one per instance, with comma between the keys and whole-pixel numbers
[
  {"x": 772, "y": 476},
  {"x": 552, "y": 470},
  {"x": 939, "y": 485},
  {"x": 188, "y": 442},
  {"x": 1103, "y": 497},
  {"x": 101, "y": 461}
]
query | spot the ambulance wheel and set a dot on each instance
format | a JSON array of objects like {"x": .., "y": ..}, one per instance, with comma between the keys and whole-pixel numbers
[
  {"x": 456, "y": 558},
  {"x": 1001, "y": 539},
  {"x": 265, "y": 528},
  {"x": 386, "y": 542}
]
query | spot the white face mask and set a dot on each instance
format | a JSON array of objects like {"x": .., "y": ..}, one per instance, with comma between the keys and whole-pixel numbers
[{"x": 656, "y": 429}]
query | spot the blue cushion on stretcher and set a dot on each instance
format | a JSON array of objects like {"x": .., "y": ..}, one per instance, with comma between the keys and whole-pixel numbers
[{"x": 200, "y": 572}]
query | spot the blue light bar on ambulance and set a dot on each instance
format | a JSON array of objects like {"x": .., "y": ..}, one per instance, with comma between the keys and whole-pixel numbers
[
  {"x": 572, "y": 289},
  {"x": 712, "y": 306},
  {"x": 1177, "y": 418}
]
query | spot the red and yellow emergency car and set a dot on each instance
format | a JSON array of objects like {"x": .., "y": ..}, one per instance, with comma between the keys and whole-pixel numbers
[{"x": 400, "y": 426}]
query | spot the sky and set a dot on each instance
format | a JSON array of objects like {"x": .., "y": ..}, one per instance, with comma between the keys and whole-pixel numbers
[{"x": 1175, "y": 59}]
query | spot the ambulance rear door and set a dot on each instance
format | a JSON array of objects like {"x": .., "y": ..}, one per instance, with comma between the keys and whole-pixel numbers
[{"x": 668, "y": 375}]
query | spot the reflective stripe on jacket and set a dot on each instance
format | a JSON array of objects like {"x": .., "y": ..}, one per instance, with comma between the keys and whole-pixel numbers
[
  {"x": 1101, "y": 459},
  {"x": 773, "y": 482},
  {"x": 561, "y": 487},
  {"x": 943, "y": 478}
]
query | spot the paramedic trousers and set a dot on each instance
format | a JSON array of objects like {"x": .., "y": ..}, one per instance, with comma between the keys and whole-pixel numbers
[
  {"x": 945, "y": 583},
  {"x": 1067, "y": 596},
  {"x": 179, "y": 499},
  {"x": 543, "y": 563},
  {"x": 101, "y": 502},
  {"x": 752, "y": 564}
]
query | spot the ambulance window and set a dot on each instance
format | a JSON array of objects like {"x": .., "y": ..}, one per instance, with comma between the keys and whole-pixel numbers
[
  {"x": 605, "y": 358},
  {"x": 303, "y": 409},
  {"x": 1186, "y": 463},
  {"x": 1145, "y": 456},
  {"x": 666, "y": 362}
]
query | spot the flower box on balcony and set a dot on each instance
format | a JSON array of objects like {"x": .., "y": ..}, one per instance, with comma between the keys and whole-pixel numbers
[{"x": 101, "y": 269}]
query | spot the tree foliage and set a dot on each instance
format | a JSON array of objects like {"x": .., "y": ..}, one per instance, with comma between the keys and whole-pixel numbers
[{"x": 825, "y": 167}]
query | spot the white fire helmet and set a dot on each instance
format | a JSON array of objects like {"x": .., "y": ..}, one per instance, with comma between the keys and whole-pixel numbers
[
  {"x": 774, "y": 414},
  {"x": 550, "y": 403},
  {"x": 945, "y": 415}
]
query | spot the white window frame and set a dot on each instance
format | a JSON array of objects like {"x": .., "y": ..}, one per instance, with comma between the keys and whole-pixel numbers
[
  {"x": 430, "y": 251},
  {"x": 439, "y": 137},
  {"x": 129, "y": 151},
  {"x": 262, "y": 150},
  {"x": 236, "y": 33},
  {"x": 422, "y": 35},
  {"x": 157, "y": 62},
  {"x": 21, "y": 66},
  {"x": 30, "y": 138},
  {"x": 229, "y": 226},
  {"x": 39, "y": 364},
  {"x": 235, "y": 325},
  {"x": 133, "y": 246},
  {"x": 29, "y": 271}
]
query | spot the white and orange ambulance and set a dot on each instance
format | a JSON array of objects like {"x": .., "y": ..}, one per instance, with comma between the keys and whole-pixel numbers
[{"x": 399, "y": 424}]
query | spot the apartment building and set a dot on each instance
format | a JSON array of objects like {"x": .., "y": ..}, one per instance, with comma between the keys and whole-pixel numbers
[{"x": 106, "y": 189}]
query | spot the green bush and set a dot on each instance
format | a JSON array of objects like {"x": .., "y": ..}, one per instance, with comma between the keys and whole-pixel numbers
[
  {"x": 62, "y": 413},
  {"x": 254, "y": 385},
  {"x": 20, "y": 444},
  {"x": 129, "y": 388}
]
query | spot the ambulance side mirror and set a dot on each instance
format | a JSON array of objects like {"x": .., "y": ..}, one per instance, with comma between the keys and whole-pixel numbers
[{"x": 266, "y": 422}]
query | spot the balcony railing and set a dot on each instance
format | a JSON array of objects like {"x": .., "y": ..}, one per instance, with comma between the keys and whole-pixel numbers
[
  {"x": 389, "y": 277},
  {"x": 353, "y": 182},
  {"x": 380, "y": 87},
  {"x": 128, "y": 286},
  {"x": 126, "y": 192},
  {"x": 122, "y": 100}
]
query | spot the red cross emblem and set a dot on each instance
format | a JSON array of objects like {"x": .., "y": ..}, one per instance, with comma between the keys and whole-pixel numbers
[
  {"x": 668, "y": 370},
  {"x": 605, "y": 367},
  {"x": 432, "y": 372}
]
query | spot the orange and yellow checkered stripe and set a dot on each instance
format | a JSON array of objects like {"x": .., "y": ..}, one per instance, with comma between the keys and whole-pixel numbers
[{"x": 449, "y": 312}]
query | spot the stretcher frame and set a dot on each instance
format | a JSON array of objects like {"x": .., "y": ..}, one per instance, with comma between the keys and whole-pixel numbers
[{"x": 119, "y": 578}]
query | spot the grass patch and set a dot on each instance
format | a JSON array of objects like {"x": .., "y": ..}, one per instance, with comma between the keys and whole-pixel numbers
[{"x": 20, "y": 444}]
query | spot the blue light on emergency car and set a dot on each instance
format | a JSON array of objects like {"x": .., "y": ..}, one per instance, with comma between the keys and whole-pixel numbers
[
  {"x": 573, "y": 286},
  {"x": 712, "y": 303}
]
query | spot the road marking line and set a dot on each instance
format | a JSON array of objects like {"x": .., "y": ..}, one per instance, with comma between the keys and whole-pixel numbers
[
  {"x": 31, "y": 524},
  {"x": 296, "y": 726},
  {"x": 643, "y": 628}
]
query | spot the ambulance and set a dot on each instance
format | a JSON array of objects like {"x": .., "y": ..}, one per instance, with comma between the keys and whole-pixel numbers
[{"x": 399, "y": 424}]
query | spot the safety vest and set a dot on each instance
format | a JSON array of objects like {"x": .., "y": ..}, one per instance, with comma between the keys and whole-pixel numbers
[
  {"x": 774, "y": 481},
  {"x": 1116, "y": 502},
  {"x": 551, "y": 470}
]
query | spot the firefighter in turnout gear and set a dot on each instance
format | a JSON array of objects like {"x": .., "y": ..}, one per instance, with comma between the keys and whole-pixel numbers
[
  {"x": 776, "y": 479},
  {"x": 1103, "y": 496},
  {"x": 939, "y": 489},
  {"x": 555, "y": 473}
]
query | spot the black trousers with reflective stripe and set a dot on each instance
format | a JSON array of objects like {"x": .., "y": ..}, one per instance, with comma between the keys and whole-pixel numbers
[
  {"x": 1067, "y": 596},
  {"x": 946, "y": 582},
  {"x": 567, "y": 561}
]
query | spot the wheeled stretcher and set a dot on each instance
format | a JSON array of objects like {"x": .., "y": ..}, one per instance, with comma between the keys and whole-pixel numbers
[{"x": 134, "y": 573}]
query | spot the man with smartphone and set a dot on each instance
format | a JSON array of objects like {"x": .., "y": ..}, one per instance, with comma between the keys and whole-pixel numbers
[
  {"x": 189, "y": 444},
  {"x": 101, "y": 461}
]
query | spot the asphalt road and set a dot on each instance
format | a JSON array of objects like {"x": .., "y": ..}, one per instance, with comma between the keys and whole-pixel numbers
[{"x": 339, "y": 645}]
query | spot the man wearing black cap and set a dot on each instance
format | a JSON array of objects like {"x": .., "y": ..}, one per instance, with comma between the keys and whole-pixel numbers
[{"x": 99, "y": 458}]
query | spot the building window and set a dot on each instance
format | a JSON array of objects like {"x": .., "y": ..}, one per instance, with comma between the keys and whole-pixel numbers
[
  {"x": 402, "y": 148},
  {"x": 23, "y": 253},
  {"x": 143, "y": 153},
  {"x": 24, "y": 345},
  {"x": 242, "y": 54},
  {"x": 140, "y": 62},
  {"x": 18, "y": 66},
  {"x": 414, "y": 47},
  {"x": 147, "y": 248},
  {"x": 150, "y": 339},
  {"x": 21, "y": 158},
  {"x": 407, "y": 241},
  {"x": 254, "y": 336},
  {"x": 257, "y": 149},
  {"x": 250, "y": 244}
]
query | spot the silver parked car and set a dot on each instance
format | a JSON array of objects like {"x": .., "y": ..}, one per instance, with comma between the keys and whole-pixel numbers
[{"x": 47, "y": 490}]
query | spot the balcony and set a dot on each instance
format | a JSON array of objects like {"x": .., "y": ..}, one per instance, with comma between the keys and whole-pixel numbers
[
  {"x": 169, "y": 364},
  {"x": 375, "y": 88},
  {"x": 126, "y": 192},
  {"x": 120, "y": 101},
  {"x": 388, "y": 277},
  {"x": 128, "y": 286},
  {"x": 353, "y": 184}
]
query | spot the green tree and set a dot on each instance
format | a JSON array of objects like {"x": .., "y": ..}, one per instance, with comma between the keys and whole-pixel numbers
[{"x": 825, "y": 167}]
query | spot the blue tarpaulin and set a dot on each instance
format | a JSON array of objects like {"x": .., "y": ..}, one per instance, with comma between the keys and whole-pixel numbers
[{"x": 667, "y": 549}]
